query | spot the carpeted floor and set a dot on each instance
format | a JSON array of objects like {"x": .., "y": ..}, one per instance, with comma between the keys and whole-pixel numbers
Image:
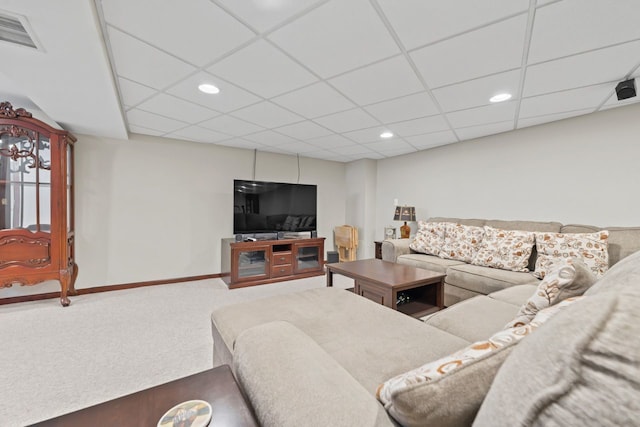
[{"x": 56, "y": 360}]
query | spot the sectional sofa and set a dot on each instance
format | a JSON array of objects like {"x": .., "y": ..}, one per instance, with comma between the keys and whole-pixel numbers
[
  {"x": 465, "y": 280},
  {"x": 320, "y": 357}
]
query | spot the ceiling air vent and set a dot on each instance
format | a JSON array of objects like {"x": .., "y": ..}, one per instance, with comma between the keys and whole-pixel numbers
[{"x": 13, "y": 31}]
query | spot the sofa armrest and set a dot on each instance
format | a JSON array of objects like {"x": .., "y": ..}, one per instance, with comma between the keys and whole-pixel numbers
[
  {"x": 291, "y": 381},
  {"x": 393, "y": 248}
]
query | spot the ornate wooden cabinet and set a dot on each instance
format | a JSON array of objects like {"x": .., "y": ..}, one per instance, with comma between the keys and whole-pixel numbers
[{"x": 36, "y": 202}]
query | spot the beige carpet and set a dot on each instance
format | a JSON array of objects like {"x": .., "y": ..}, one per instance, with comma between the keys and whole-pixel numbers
[{"x": 56, "y": 360}]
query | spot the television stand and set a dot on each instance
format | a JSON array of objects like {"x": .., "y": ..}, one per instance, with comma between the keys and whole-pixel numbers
[{"x": 269, "y": 261}]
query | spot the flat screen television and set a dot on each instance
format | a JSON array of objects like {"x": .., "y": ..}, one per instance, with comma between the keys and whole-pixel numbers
[{"x": 269, "y": 207}]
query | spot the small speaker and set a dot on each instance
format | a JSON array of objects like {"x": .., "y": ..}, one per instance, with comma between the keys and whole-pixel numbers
[
  {"x": 238, "y": 237},
  {"x": 314, "y": 234},
  {"x": 332, "y": 256},
  {"x": 626, "y": 89},
  {"x": 280, "y": 235}
]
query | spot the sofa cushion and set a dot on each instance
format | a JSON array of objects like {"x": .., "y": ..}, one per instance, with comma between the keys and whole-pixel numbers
[
  {"x": 484, "y": 279},
  {"x": 505, "y": 249},
  {"x": 570, "y": 279},
  {"x": 515, "y": 295},
  {"x": 622, "y": 241},
  {"x": 550, "y": 226},
  {"x": 449, "y": 391},
  {"x": 429, "y": 238},
  {"x": 556, "y": 247},
  {"x": 580, "y": 368},
  {"x": 428, "y": 262},
  {"x": 280, "y": 368},
  {"x": 621, "y": 279},
  {"x": 461, "y": 241}
]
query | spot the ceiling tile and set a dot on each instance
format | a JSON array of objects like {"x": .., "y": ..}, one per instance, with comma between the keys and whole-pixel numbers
[
  {"x": 330, "y": 141},
  {"x": 176, "y": 108},
  {"x": 175, "y": 26},
  {"x": 296, "y": 147},
  {"x": 605, "y": 65},
  {"x": 144, "y": 64},
  {"x": 347, "y": 121},
  {"x": 482, "y": 115},
  {"x": 405, "y": 108},
  {"x": 399, "y": 151},
  {"x": 336, "y": 37},
  {"x": 573, "y": 26},
  {"x": 364, "y": 136},
  {"x": 419, "y": 22},
  {"x": 489, "y": 50},
  {"x": 484, "y": 130},
  {"x": 568, "y": 100},
  {"x": 153, "y": 121},
  {"x": 475, "y": 93},
  {"x": 390, "y": 145},
  {"x": 230, "y": 125},
  {"x": 132, "y": 93},
  {"x": 351, "y": 150},
  {"x": 196, "y": 133},
  {"x": 230, "y": 97},
  {"x": 422, "y": 142},
  {"x": 532, "y": 121},
  {"x": 313, "y": 101},
  {"x": 277, "y": 72},
  {"x": 242, "y": 143},
  {"x": 268, "y": 137},
  {"x": 419, "y": 126},
  {"x": 303, "y": 130},
  {"x": 267, "y": 115},
  {"x": 263, "y": 15},
  {"x": 144, "y": 131},
  {"x": 391, "y": 78}
]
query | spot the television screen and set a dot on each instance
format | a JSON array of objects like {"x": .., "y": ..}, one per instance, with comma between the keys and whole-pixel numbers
[{"x": 267, "y": 207}]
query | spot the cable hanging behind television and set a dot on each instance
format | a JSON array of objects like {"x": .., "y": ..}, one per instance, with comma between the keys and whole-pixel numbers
[{"x": 273, "y": 210}]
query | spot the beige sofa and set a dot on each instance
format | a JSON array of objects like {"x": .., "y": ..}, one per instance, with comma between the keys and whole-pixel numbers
[
  {"x": 316, "y": 358},
  {"x": 465, "y": 280}
]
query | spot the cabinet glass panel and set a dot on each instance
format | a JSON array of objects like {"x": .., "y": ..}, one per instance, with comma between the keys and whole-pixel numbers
[
  {"x": 25, "y": 181},
  {"x": 308, "y": 257},
  {"x": 252, "y": 263}
]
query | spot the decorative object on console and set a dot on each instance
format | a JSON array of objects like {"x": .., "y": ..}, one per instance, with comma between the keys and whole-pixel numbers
[
  {"x": 405, "y": 213},
  {"x": 390, "y": 232}
]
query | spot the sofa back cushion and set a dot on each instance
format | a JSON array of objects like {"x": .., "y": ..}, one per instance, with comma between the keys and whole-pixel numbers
[
  {"x": 461, "y": 242},
  {"x": 554, "y": 248},
  {"x": 505, "y": 249},
  {"x": 622, "y": 242},
  {"x": 429, "y": 238}
]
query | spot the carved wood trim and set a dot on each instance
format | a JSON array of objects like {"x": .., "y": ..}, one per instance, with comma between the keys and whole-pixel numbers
[
  {"x": 7, "y": 110},
  {"x": 21, "y": 244}
]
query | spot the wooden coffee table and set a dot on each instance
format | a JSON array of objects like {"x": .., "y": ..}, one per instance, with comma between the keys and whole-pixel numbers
[
  {"x": 144, "y": 408},
  {"x": 382, "y": 281}
]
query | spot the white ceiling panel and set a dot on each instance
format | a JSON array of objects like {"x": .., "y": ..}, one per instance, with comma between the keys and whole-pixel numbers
[
  {"x": 419, "y": 126},
  {"x": 364, "y": 136},
  {"x": 133, "y": 93},
  {"x": 337, "y": 37},
  {"x": 481, "y": 115},
  {"x": 387, "y": 145},
  {"x": 399, "y": 151},
  {"x": 266, "y": 14},
  {"x": 592, "y": 68},
  {"x": 430, "y": 140},
  {"x": 388, "y": 79},
  {"x": 269, "y": 137},
  {"x": 573, "y": 26},
  {"x": 316, "y": 100},
  {"x": 484, "y": 130},
  {"x": 568, "y": 100},
  {"x": 350, "y": 150},
  {"x": 296, "y": 147},
  {"x": 475, "y": 93},
  {"x": 405, "y": 108},
  {"x": 153, "y": 121},
  {"x": 304, "y": 130},
  {"x": 231, "y": 125},
  {"x": 196, "y": 133},
  {"x": 489, "y": 50},
  {"x": 277, "y": 73},
  {"x": 176, "y": 108},
  {"x": 533, "y": 121},
  {"x": 144, "y": 64},
  {"x": 144, "y": 131},
  {"x": 267, "y": 115},
  {"x": 230, "y": 97},
  {"x": 419, "y": 22},
  {"x": 347, "y": 121},
  {"x": 193, "y": 19},
  {"x": 330, "y": 141},
  {"x": 243, "y": 143}
]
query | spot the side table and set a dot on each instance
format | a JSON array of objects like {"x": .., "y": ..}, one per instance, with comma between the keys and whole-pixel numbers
[{"x": 378, "y": 249}]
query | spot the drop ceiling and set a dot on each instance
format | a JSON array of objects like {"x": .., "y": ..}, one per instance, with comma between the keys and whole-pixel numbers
[{"x": 319, "y": 78}]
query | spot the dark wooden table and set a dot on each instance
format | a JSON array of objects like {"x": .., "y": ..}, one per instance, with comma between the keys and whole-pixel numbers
[
  {"x": 382, "y": 281},
  {"x": 144, "y": 408}
]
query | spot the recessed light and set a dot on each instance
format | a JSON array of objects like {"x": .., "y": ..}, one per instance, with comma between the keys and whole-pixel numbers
[
  {"x": 386, "y": 135},
  {"x": 208, "y": 88},
  {"x": 500, "y": 97}
]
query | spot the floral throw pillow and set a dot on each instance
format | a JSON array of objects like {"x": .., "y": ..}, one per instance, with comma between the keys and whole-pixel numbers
[
  {"x": 429, "y": 238},
  {"x": 568, "y": 279},
  {"x": 591, "y": 248},
  {"x": 505, "y": 249},
  {"x": 427, "y": 395},
  {"x": 461, "y": 242}
]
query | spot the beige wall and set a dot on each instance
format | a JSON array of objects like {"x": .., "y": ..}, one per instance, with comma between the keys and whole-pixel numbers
[
  {"x": 154, "y": 208},
  {"x": 580, "y": 170}
]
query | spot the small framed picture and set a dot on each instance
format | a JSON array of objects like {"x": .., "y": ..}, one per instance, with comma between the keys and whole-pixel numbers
[{"x": 389, "y": 232}]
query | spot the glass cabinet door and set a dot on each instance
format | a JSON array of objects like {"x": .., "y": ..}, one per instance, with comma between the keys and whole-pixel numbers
[
  {"x": 307, "y": 257},
  {"x": 253, "y": 263}
]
